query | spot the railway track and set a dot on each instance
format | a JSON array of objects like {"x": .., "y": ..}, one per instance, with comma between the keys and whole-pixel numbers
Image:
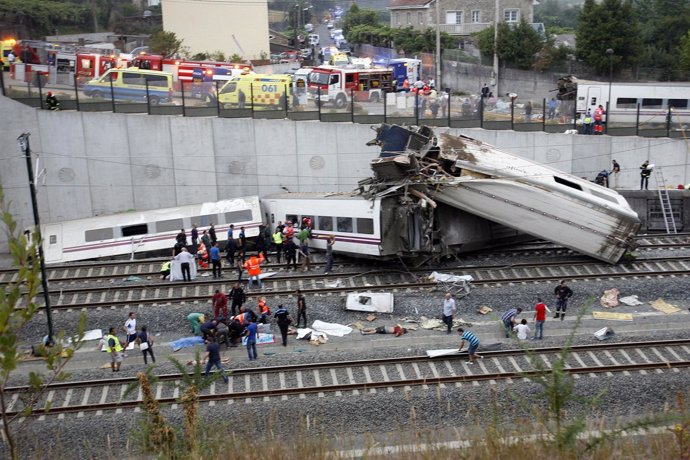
[
  {"x": 352, "y": 377},
  {"x": 316, "y": 283},
  {"x": 111, "y": 270}
]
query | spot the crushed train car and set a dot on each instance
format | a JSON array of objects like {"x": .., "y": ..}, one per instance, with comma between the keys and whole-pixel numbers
[{"x": 474, "y": 177}]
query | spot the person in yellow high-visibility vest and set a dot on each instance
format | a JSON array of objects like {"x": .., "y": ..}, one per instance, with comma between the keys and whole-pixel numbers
[{"x": 112, "y": 346}]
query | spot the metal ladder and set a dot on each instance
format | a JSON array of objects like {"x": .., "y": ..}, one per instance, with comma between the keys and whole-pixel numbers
[{"x": 665, "y": 201}]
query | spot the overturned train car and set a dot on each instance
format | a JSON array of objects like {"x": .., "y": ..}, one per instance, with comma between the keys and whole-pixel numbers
[{"x": 477, "y": 179}]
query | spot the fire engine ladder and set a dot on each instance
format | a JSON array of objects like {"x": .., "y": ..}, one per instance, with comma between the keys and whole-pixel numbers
[{"x": 665, "y": 201}]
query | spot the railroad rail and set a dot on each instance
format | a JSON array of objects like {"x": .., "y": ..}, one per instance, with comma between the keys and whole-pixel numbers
[
  {"x": 336, "y": 378},
  {"x": 202, "y": 290},
  {"x": 109, "y": 270}
]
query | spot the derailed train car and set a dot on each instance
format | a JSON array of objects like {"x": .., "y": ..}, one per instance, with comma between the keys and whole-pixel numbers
[{"x": 477, "y": 178}]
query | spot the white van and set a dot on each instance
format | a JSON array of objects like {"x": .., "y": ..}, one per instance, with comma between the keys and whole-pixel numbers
[{"x": 309, "y": 27}]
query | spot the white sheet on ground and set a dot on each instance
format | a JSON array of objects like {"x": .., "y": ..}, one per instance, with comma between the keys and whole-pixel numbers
[
  {"x": 335, "y": 329},
  {"x": 176, "y": 270},
  {"x": 630, "y": 300},
  {"x": 443, "y": 352},
  {"x": 380, "y": 302},
  {"x": 448, "y": 278}
]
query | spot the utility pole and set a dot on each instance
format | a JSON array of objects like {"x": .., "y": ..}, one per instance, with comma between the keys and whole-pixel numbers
[
  {"x": 23, "y": 141},
  {"x": 494, "y": 73},
  {"x": 438, "y": 46}
]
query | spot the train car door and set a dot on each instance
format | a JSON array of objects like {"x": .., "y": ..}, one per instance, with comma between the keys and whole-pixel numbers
[
  {"x": 594, "y": 98},
  {"x": 52, "y": 242}
]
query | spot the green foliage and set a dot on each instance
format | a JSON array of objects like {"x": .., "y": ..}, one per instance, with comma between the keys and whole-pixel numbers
[
  {"x": 408, "y": 39},
  {"x": 165, "y": 43},
  {"x": 357, "y": 16},
  {"x": 217, "y": 56},
  {"x": 518, "y": 45},
  {"x": 236, "y": 58},
  {"x": 609, "y": 24},
  {"x": 17, "y": 308},
  {"x": 556, "y": 15},
  {"x": 685, "y": 52},
  {"x": 42, "y": 17}
]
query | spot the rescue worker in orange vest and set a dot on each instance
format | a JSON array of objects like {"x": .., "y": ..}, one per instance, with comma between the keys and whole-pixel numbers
[
  {"x": 253, "y": 267},
  {"x": 264, "y": 311},
  {"x": 599, "y": 113}
]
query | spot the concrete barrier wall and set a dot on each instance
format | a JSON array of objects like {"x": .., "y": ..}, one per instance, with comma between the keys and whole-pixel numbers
[{"x": 102, "y": 163}]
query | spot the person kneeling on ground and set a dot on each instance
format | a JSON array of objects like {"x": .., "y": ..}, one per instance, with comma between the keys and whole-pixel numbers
[
  {"x": 397, "y": 330},
  {"x": 165, "y": 269}
]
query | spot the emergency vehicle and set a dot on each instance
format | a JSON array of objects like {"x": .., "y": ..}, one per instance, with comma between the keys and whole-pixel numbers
[
  {"x": 259, "y": 91},
  {"x": 404, "y": 68},
  {"x": 204, "y": 79},
  {"x": 93, "y": 65},
  {"x": 181, "y": 70},
  {"x": 335, "y": 85},
  {"x": 132, "y": 85},
  {"x": 7, "y": 46}
]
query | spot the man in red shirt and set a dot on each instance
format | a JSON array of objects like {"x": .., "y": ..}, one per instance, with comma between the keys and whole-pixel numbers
[
  {"x": 539, "y": 318},
  {"x": 220, "y": 304}
]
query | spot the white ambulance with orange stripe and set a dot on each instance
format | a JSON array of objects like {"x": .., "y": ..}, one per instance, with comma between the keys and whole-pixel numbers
[{"x": 261, "y": 91}]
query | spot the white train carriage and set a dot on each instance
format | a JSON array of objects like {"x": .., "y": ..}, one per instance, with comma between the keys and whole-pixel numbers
[
  {"x": 355, "y": 221},
  {"x": 143, "y": 231}
]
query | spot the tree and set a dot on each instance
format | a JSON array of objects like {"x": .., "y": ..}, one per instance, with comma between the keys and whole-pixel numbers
[
  {"x": 357, "y": 16},
  {"x": 518, "y": 45},
  {"x": 165, "y": 43},
  {"x": 17, "y": 308},
  {"x": 555, "y": 15},
  {"x": 42, "y": 17},
  {"x": 685, "y": 52},
  {"x": 609, "y": 24}
]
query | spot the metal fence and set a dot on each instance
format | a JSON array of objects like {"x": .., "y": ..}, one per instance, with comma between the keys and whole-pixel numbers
[{"x": 190, "y": 99}]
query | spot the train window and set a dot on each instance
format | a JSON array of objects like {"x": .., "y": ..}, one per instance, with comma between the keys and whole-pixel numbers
[
  {"x": 365, "y": 226},
  {"x": 205, "y": 221},
  {"x": 626, "y": 103},
  {"x": 53, "y": 239},
  {"x": 603, "y": 196},
  {"x": 344, "y": 224},
  {"x": 651, "y": 103},
  {"x": 678, "y": 103},
  {"x": 133, "y": 230},
  {"x": 171, "y": 225},
  {"x": 244, "y": 215},
  {"x": 324, "y": 223},
  {"x": 99, "y": 234},
  {"x": 291, "y": 218},
  {"x": 310, "y": 218},
  {"x": 567, "y": 183}
]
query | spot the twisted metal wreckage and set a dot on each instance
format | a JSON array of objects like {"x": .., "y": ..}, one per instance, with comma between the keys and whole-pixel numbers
[{"x": 455, "y": 194}]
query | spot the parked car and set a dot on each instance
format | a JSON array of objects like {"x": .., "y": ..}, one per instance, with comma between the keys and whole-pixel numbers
[{"x": 309, "y": 27}]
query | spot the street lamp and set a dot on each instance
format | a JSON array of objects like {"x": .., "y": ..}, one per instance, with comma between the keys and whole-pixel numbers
[
  {"x": 24, "y": 146},
  {"x": 609, "y": 52}
]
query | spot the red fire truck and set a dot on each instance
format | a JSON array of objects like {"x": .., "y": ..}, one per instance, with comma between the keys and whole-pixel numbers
[
  {"x": 93, "y": 65},
  {"x": 181, "y": 69},
  {"x": 336, "y": 85}
]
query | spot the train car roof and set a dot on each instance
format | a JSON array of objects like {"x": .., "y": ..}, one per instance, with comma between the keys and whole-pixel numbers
[{"x": 314, "y": 196}]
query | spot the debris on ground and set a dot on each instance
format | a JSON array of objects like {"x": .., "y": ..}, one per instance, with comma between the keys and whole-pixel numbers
[
  {"x": 484, "y": 310},
  {"x": 630, "y": 300},
  {"x": 133, "y": 278},
  {"x": 663, "y": 306},
  {"x": 379, "y": 302},
  {"x": 604, "y": 334},
  {"x": 458, "y": 285},
  {"x": 610, "y": 298},
  {"x": 371, "y": 318},
  {"x": 438, "y": 325},
  {"x": 612, "y": 316}
]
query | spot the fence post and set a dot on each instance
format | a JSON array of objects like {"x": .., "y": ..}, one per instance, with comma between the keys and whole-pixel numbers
[
  {"x": 148, "y": 100},
  {"x": 416, "y": 107},
  {"x": 385, "y": 105},
  {"x": 448, "y": 105},
  {"x": 512, "y": 114},
  {"x": 76, "y": 91},
  {"x": 668, "y": 123},
  {"x": 575, "y": 115},
  {"x": 319, "y": 103},
  {"x": 112, "y": 92},
  {"x": 352, "y": 105},
  {"x": 251, "y": 97},
  {"x": 606, "y": 126},
  {"x": 184, "y": 104},
  {"x": 481, "y": 112},
  {"x": 217, "y": 98},
  {"x": 40, "y": 89},
  {"x": 287, "y": 94},
  {"x": 2, "y": 81},
  {"x": 543, "y": 114},
  {"x": 637, "y": 121}
]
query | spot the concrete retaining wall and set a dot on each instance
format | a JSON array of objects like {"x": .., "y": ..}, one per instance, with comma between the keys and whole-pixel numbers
[{"x": 101, "y": 163}]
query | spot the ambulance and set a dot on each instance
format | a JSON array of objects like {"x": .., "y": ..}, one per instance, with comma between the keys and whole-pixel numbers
[
  {"x": 131, "y": 85},
  {"x": 257, "y": 90}
]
